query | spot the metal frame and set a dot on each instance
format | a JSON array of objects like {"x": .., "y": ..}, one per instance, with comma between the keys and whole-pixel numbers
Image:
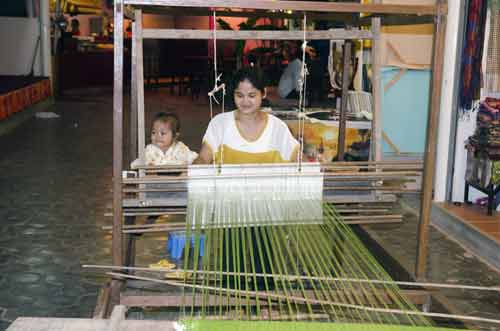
[{"x": 438, "y": 11}]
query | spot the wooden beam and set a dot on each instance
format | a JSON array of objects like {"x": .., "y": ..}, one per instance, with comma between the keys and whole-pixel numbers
[
  {"x": 430, "y": 146},
  {"x": 308, "y": 6},
  {"x": 335, "y": 34},
  {"x": 347, "y": 18},
  {"x": 417, "y": 297},
  {"x": 117, "y": 248}
]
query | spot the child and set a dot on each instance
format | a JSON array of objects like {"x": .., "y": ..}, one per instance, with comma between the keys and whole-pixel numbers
[{"x": 165, "y": 148}]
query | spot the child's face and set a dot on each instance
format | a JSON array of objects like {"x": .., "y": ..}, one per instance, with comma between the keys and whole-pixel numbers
[
  {"x": 161, "y": 135},
  {"x": 247, "y": 98}
]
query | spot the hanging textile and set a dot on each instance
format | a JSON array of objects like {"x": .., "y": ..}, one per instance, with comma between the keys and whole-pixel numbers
[
  {"x": 494, "y": 5},
  {"x": 472, "y": 54},
  {"x": 492, "y": 76}
]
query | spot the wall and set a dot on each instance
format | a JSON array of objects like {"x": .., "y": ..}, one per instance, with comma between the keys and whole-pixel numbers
[
  {"x": 451, "y": 69},
  {"x": 18, "y": 38},
  {"x": 150, "y": 21}
]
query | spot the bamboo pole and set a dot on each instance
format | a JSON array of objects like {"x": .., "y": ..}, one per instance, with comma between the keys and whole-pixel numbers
[
  {"x": 430, "y": 146},
  {"x": 302, "y": 277}
]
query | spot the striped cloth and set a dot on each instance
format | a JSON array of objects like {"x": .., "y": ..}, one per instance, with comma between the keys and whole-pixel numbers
[
  {"x": 492, "y": 76},
  {"x": 472, "y": 54}
]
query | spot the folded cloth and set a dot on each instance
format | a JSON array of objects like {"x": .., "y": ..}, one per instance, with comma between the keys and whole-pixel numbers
[{"x": 163, "y": 264}]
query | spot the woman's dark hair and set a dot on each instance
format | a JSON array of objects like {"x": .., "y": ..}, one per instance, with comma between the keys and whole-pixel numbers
[
  {"x": 171, "y": 119},
  {"x": 253, "y": 75}
]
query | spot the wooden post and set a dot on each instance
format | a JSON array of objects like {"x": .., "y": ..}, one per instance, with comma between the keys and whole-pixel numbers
[
  {"x": 345, "y": 94},
  {"x": 431, "y": 143},
  {"x": 140, "y": 85},
  {"x": 376, "y": 57},
  {"x": 117, "y": 242},
  {"x": 133, "y": 95}
]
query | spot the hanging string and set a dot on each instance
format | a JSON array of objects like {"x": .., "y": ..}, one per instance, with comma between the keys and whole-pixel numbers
[
  {"x": 302, "y": 96},
  {"x": 217, "y": 88}
]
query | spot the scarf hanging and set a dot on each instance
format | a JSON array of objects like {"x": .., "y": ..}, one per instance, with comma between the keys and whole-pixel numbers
[{"x": 472, "y": 54}]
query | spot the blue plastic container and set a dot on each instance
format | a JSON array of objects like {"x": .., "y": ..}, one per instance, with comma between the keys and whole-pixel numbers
[{"x": 177, "y": 241}]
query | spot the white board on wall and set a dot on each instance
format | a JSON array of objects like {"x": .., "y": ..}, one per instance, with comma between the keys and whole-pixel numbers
[{"x": 18, "y": 37}]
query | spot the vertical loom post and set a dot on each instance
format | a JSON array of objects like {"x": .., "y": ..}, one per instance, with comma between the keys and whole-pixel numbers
[
  {"x": 140, "y": 85},
  {"x": 376, "y": 57},
  {"x": 345, "y": 94},
  {"x": 117, "y": 240},
  {"x": 133, "y": 95},
  {"x": 431, "y": 143}
]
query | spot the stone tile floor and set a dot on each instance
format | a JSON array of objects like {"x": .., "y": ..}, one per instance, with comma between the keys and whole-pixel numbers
[
  {"x": 447, "y": 262},
  {"x": 55, "y": 187}
]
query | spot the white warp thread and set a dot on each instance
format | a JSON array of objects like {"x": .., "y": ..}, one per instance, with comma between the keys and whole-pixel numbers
[{"x": 253, "y": 195}]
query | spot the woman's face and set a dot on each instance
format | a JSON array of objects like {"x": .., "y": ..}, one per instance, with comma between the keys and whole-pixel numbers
[{"x": 247, "y": 98}]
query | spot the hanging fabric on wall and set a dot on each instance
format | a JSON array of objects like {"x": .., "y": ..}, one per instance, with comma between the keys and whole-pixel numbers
[
  {"x": 494, "y": 5},
  {"x": 472, "y": 54},
  {"x": 492, "y": 76}
]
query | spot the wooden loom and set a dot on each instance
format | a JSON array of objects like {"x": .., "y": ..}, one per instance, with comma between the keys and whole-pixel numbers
[
  {"x": 341, "y": 176},
  {"x": 336, "y": 176}
]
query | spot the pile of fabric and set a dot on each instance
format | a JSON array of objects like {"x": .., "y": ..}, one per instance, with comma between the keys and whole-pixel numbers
[
  {"x": 486, "y": 140},
  {"x": 485, "y": 143}
]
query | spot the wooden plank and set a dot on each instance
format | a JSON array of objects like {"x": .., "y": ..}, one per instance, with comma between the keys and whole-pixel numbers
[
  {"x": 59, "y": 324},
  {"x": 310, "y": 6},
  {"x": 117, "y": 250},
  {"x": 345, "y": 94},
  {"x": 430, "y": 146},
  {"x": 84, "y": 324},
  {"x": 335, "y": 34}
]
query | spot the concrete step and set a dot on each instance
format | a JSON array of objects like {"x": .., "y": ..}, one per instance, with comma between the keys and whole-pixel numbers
[{"x": 476, "y": 241}]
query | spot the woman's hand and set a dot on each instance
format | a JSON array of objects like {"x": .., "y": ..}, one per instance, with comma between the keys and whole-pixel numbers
[{"x": 205, "y": 156}]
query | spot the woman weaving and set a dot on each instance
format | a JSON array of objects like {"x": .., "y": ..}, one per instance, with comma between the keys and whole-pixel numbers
[{"x": 248, "y": 135}]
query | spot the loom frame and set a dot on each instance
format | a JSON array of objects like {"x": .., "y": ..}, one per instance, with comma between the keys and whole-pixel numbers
[{"x": 437, "y": 12}]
